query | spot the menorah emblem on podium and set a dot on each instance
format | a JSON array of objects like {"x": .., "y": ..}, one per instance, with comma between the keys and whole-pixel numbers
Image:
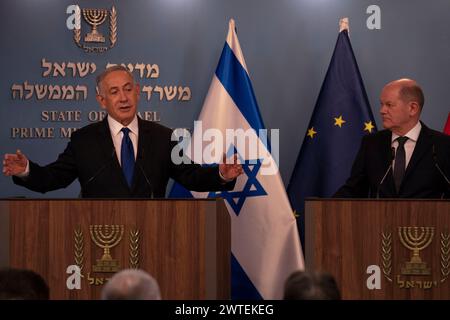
[
  {"x": 94, "y": 17},
  {"x": 415, "y": 240},
  {"x": 106, "y": 237}
]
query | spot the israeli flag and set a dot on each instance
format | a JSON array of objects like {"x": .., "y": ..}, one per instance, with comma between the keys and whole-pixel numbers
[{"x": 264, "y": 238}]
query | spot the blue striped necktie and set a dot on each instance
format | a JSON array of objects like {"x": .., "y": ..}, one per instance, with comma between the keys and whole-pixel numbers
[{"x": 127, "y": 156}]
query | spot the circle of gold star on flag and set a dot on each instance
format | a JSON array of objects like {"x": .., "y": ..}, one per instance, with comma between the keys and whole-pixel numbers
[
  {"x": 368, "y": 126},
  {"x": 339, "y": 121},
  {"x": 311, "y": 132}
]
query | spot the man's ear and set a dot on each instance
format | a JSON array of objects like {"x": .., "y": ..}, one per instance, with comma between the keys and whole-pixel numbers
[
  {"x": 414, "y": 108},
  {"x": 101, "y": 101},
  {"x": 137, "y": 87}
]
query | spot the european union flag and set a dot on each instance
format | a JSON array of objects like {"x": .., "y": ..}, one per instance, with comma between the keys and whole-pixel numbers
[{"x": 341, "y": 117}]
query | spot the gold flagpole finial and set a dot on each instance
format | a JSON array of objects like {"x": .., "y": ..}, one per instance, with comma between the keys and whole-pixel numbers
[{"x": 343, "y": 25}]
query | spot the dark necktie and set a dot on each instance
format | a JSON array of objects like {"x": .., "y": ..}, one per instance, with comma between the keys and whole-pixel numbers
[
  {"x": 400, "y": 161},
  {"x": 127, "y": 156}
]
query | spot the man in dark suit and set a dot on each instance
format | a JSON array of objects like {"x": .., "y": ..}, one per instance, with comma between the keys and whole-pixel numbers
[
  {"x": 407, "y": 159},
  {"x": 122, "y": 156}
]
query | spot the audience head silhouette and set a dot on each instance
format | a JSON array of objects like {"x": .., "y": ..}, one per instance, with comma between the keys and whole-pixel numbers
[
  {"x": 20, "y": 284},
  {"x": 131, "y": 284},
  {"x": 303, "y": 285}
]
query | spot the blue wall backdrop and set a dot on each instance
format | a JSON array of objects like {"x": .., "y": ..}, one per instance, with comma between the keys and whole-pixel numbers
[{"x": 287, "y": 45}]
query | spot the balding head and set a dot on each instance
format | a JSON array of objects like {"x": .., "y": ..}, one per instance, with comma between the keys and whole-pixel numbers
[
  {"x": 131, "y": 284},
  {"x": 401, "y": 103},
  {"x": 409, "y": 91}
]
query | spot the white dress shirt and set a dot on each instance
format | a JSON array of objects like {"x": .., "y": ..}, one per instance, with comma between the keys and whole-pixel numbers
[
  {"x": 117, "y": 135},
  {"x": 410, "y": 144}
]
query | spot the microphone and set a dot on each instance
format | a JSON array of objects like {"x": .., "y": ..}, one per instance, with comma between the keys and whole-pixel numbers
[
  {"x": 436, "y": 164},
  {"x": 97, "y": 173},
  {"x": 143, "y": 173},
  {"x": 387, "y": 171}
]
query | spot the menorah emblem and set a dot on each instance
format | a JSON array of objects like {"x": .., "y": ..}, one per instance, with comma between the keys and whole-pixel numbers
[
  {"x": 94, "y": 17},
  {"x": 106, "y": 237},
  {"x": 415, "y": 240}
]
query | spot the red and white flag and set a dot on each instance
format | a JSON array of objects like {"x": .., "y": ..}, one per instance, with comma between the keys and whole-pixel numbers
[{"x": 447, "y": 125}]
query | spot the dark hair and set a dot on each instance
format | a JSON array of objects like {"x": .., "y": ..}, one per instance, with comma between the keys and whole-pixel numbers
[
  {"x": 303, "y": 285},
  {"x": 412, "y": 92},
  {"x": 107, "y": 71},
  {"x": 21, "y": 284}
]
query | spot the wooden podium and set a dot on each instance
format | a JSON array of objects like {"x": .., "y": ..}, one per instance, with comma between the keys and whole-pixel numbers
[
  {"x": 184, "y": 244},
  {"x": 367, "y": 244}
]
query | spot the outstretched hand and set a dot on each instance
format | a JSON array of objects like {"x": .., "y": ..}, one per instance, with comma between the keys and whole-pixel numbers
[
  {"x": 232, "y": 170},
  {"x": 14, "y": 163}
]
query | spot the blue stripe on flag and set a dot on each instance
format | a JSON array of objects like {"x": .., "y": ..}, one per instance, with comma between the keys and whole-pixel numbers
[
  {"x": 236, "y": 81},
  {"x": 238, "y": 85},
  {"x": 241, "y": 286},
  {"x": 178, "y": 191}
]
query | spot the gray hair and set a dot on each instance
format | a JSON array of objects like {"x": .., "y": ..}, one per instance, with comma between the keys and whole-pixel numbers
[
  {"x": 131, "y": 284},
  {"x": 409, "y": 90},
  {"x": 107, "y": 71},
  {"x": 413, "y": 92}
]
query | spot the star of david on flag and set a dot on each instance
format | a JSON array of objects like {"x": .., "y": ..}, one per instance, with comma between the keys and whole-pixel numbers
[
  {"x": 264, "y": 237},
  {"x": 252, "y": 187}
]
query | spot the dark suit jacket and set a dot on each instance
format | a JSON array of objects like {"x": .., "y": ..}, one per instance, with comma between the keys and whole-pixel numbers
[
  {"x": 422, "y": 178},
  {"x": 90, "y": 156}
]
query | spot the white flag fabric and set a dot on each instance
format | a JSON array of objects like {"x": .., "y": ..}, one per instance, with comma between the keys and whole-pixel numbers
[{"x": 264, "y": 237}]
